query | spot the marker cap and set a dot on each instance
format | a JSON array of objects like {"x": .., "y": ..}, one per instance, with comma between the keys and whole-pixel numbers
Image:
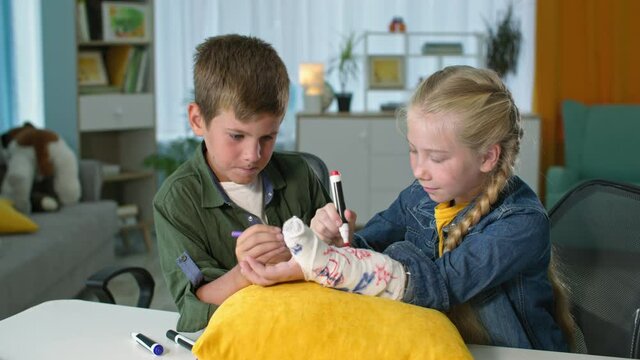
[{"x": 157, "y": 349}]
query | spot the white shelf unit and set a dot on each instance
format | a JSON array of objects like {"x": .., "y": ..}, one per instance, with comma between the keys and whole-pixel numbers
[
  {"x": 118, "y": 126},
  {"x": 115, "y": 128},
  {"x": 416, "y": 64}
]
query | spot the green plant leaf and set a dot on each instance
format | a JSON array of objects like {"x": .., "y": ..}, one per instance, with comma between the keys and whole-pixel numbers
[
  {"x": 346, "y": 62},
  {"x": 171, "y": 155},
  {"x": 503, "y": 44}
]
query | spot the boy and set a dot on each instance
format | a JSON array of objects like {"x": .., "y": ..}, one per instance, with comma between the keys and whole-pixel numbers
[{"x": 232, "y": 183}]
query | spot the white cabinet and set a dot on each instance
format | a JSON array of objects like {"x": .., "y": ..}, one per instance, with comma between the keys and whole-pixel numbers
[
  {"x": 367, "y": 149},
  {"x": 372, "y": 155},
  {"x": 528, "y": 163}
]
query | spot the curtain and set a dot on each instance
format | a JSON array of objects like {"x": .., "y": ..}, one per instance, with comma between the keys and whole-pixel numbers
[
  {"x": 7, "y": 98},
  {"x": 28, "y": 62},
  {"x": 587, "y": 50},
  {"x": 310, "y": 31}
]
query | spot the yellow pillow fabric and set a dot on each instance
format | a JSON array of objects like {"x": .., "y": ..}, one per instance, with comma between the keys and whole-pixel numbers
[
  {"x": 12, "y": 221},
  {"x": 304, "y": 320}
]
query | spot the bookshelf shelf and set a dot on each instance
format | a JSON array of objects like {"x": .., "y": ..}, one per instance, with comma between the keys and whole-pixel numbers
[
  {"x": 127, "y": 176},
  {"x": 100, "y": 43},
  {"x": 419, "y": 54}
]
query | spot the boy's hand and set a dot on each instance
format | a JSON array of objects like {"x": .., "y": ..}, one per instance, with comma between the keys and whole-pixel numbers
[
  {"x": 264, "y": 243},
  {"x": 265, "y": 274},
  {"x": 326, "y": 224}
]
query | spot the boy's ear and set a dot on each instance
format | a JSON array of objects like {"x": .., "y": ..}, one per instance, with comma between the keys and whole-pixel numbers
[
  {"x": 198, "y": 125},
  {"x": 490, "y": 158}
]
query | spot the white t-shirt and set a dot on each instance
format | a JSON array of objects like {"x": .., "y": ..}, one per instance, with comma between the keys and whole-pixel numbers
[{"x": 247, "y": 196}]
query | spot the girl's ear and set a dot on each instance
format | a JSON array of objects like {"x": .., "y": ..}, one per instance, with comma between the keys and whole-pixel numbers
[
  {"x": 198, "y": 125},
  {"x": 490, "y": 158}
]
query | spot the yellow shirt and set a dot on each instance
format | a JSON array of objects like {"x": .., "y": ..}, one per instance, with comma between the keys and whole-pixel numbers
[{"x": 444, "y": 214}]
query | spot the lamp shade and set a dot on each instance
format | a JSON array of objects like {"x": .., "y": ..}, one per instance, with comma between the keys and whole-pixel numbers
[{"x": 311, "y": 77}]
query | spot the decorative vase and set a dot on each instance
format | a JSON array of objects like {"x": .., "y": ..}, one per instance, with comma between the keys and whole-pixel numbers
[{"x": 344, "y": 101}]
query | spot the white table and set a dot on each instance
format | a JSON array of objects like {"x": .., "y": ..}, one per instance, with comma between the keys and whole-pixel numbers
[{"x": 76, "y": 329}]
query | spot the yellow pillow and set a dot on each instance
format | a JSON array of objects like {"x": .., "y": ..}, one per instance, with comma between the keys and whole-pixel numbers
[
  {"x": 307, "y": 321},
  {"x": 12, "y": 221}
]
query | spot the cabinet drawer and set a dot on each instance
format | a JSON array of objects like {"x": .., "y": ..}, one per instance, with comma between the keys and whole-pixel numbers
[{"x": 116, "y": 112}]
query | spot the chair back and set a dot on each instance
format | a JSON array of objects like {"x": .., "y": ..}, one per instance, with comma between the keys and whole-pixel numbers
[
  {"x": 595, "y": 231},
  {"x": 319, "y": 168}
]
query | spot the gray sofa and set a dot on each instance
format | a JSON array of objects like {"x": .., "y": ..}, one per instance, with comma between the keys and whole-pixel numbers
[{"x": 69, "y": 246}]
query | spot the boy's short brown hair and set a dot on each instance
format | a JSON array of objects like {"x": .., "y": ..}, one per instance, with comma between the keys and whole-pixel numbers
[{"x": 239, "y": 73}]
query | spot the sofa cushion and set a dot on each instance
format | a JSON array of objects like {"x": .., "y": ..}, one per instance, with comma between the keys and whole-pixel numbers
[
  {"x": 602, "y": 140},
  {"x": 12, "y": 221},
  {"x": 53, "y": 263},
  {"x": 307, "y": 321}
]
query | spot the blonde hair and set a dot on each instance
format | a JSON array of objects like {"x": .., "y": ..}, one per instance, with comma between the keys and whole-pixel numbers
[
  {"x": 487, "y": 116},
  {"x": 239, "y": 73}
]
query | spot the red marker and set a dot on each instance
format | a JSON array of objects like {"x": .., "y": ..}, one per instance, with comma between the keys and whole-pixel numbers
[{"x": 338, "y": 200}]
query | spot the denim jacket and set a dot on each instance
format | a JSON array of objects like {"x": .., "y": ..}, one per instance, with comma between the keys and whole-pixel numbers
[{"x": 500, "y": 267}]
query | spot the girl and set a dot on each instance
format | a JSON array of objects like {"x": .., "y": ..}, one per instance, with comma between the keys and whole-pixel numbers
[{"x": 468, "y": 237}]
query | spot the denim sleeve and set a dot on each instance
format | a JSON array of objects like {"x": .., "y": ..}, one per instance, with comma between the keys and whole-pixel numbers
[
  {"x": 425, "y": 285},
  {"x": 518, "y": 241},
  {"x": 388, "y": 226}
]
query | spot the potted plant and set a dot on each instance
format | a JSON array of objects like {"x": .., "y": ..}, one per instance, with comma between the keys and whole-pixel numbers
[
  {"x": 346, "y": 64},
  {"x": 503, "y": 44},
  {"x": 171, "y": 155}
]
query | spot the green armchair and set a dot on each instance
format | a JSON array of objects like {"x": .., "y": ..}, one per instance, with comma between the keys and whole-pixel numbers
[{"x": 601, "y": 142}]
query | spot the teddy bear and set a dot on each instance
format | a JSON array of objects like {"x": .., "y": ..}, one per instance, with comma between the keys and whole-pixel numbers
[{"x": 42, "y": 171}]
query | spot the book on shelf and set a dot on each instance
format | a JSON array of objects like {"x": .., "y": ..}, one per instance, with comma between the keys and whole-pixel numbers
[
  {"x": 82, "y": 22},
  {"x": 142, "y": 71},
  {"x": 118, "y": 59},
  {"x": 94, "y": 17},
  {"x": 127, "y": 214},
  {"x": 442, "y": 48},
  {"x": 134, "y": 80},
  {"x": 126, "y": 210},
  {"x": 110, "y": 169}
]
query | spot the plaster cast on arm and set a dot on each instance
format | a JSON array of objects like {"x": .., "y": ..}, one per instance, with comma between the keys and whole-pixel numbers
[{"x": 355, "y": 270}]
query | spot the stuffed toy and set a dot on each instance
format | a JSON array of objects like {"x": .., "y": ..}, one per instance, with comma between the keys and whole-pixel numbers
[{"x": 42, "y": 171}]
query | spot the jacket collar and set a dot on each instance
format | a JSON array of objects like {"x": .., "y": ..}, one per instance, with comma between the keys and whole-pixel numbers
[{"x": 213, "y": 195}]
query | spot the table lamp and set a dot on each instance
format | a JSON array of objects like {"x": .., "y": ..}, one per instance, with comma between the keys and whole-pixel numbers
[{"x": 311, "y": 77}]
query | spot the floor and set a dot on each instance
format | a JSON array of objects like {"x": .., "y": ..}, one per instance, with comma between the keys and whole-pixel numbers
[{"x": 124, "y": 288}]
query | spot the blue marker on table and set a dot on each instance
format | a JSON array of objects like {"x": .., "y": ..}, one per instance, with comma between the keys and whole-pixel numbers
[
  {"x": 236, "y": 233},
  {"x": 148, "y": 344}
]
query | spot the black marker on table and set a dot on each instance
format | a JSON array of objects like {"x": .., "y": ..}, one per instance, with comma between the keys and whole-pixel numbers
[
  {"x": 148, "y": 344},
  {"x": 180, "y": 339}
]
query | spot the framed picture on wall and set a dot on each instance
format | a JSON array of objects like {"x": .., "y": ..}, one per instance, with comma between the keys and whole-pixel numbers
[
  {"x": 91, "y": 70},
  {"x": 125, "y": 21},
  {"x": 386, "y": 72}
]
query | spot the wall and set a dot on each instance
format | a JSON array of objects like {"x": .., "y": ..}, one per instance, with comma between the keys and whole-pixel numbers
[{"x": 59, "y": 69}]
